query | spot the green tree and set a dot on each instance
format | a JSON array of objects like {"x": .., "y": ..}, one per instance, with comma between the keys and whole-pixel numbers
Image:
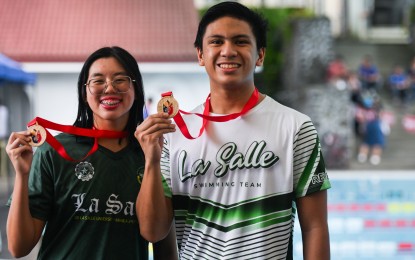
[{"x": 279, "y": 34}]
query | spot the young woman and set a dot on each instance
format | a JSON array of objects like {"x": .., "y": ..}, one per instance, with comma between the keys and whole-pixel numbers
[{"x": 84, "y": 209}]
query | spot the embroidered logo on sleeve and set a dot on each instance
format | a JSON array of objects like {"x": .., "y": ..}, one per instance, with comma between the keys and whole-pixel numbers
[{"x": 319, "y": 178}]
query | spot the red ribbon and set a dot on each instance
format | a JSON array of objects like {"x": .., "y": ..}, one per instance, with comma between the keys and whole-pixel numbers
[
  {"x": 167, "y": 94},
  {"x": 75, "y": 131},
  {"x": 182, "y": 125}
]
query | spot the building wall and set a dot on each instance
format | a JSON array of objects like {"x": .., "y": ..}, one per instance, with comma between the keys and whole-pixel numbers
[
  {"x": 358, "y": 14},
  {"x": 334, "y": 10},
  {"x": 16, "y": 99},
  {"x": 55, "y": 97},
  {"x": 189, "y": 89}
]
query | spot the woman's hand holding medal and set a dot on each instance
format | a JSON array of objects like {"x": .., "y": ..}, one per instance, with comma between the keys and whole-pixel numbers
[
  {"x": 150, "y": 134},
  {"x": 20, "y": 151}
]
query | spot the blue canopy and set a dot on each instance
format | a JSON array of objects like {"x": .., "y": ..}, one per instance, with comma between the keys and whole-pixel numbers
[{"x": 11, "y": 71}]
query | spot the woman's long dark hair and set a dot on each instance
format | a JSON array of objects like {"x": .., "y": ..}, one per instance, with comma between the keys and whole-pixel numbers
[{"x": 84, "y": 118}]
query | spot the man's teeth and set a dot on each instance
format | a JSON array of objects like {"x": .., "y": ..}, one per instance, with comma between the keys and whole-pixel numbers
[{"x": 228, "y": 66}]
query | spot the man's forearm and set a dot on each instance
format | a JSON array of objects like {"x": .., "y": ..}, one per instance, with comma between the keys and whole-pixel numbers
[{"x": 316, "y": 244}]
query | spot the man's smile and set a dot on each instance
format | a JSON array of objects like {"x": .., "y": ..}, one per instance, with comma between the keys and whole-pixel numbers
[{"x": 229, "y": 65}]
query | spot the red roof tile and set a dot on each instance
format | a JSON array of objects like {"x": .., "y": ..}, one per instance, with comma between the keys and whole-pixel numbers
[{"x": 55, "y": 30}]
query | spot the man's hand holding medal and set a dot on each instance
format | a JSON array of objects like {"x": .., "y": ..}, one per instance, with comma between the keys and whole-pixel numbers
[{"x": 169, "y": 105}]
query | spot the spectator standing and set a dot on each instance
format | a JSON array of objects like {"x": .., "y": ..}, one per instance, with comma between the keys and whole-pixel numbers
[{"x": 374, "y": 132}]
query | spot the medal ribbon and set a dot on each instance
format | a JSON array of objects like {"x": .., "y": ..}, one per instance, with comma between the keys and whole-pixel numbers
[
  {"x": 185, "y": 131},
  {"x": 75, "y": 131}
]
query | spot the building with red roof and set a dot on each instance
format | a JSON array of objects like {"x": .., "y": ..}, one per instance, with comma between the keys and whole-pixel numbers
[
  {"x": 68, "y": 31},
  {"x": 53, "y": 38}
]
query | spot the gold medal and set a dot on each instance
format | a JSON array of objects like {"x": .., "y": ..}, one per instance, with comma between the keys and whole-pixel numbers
[
  {"x": 37, "y": 135},
  {"x": 168, "y": 104}
]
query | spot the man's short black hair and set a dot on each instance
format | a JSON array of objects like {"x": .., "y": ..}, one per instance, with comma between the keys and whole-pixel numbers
[{"x": 233, "y": 9}]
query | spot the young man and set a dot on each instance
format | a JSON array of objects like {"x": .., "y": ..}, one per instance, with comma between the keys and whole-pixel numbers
[{"x": 234, "y": 190}]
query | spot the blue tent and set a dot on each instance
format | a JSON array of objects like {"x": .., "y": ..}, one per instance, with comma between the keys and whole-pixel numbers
[{"x": 11, "y": 71}]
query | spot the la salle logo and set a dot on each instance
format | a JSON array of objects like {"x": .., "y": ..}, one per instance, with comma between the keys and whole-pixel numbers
[{"x": 84, "y": 171}]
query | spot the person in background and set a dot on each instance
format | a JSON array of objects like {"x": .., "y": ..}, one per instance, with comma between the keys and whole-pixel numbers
[
  {"x": 411, "y": 77},
  {"x": 234, "y": 190},
  {"x": 369, "y": 74},
  {"x": 374, "y": 136},
  {"x": 399, "y": 84},
  {"x": 356, "y": 97},
  {"x": 150, "y": 107},
  {"x": 337, "y": 73},
  {"x": 84, "y": 209}
]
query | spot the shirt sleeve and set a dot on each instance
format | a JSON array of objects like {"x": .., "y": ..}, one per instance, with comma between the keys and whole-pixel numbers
[{"x": 309, "y": 166}]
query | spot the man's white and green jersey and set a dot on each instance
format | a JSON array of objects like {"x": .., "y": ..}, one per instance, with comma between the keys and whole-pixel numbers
[{"x": 234, "y": 188}]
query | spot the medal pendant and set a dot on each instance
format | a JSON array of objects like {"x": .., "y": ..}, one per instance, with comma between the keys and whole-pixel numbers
[
  {"x": 169, "y": 105},
  {"x": 37, "y": 135}
]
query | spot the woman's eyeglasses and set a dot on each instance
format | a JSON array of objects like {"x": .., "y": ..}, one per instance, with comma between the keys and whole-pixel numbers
[{"x": 98, "y": 86}]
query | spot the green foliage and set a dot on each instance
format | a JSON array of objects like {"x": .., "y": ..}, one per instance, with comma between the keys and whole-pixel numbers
[
  {"x": 412, "y": 15},
  {"x": 279, "y": 34}
]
